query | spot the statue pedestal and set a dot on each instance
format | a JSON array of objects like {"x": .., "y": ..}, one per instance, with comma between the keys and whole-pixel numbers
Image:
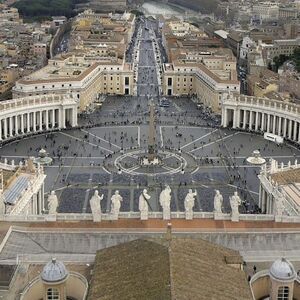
[
  {"x": 114, "y": 217},
  {"x": 96, "y": 217},
  {"x": 189, "y": 215},
  {"x": 50, "y": 218},
  {"x": 278, "y": 218},
  {"x": 235, "y": 218},
  {"x": 166, "y": 215},
  {"x": 144, "y": 215},
  {"x": 218, "y": 216}
]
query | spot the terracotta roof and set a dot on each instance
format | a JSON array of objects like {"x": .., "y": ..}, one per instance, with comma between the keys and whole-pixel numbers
[
  {"x": 134, "y": 270},
  {"x": 286, "y": 177},
  {"x": 205, "y": 70},
  {"x": 61, "y": 79},
  {"x": 161, "y": 269}
]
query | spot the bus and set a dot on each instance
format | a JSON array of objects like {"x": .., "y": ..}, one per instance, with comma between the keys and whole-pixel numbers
[
  {"x": 164, "y": 102},
  {"x": 273, "y": 138}
]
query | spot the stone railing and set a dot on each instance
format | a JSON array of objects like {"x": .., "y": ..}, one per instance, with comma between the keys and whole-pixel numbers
[
  {"x": 263, "y": 103},
  {"x": 65, "y": 217},
  {"x": 32, "y": 101}
]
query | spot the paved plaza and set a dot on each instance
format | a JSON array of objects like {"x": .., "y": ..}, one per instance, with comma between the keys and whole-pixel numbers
[{"x": 85, "y": 159}]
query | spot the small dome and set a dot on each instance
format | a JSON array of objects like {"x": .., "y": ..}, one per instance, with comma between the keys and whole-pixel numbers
[
  {"x": 54, "y": 271},
  {"x": 282, "y": 269}
]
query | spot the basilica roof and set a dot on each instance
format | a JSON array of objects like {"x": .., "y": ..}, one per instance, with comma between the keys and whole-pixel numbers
[{"x": 180, "y": 268}]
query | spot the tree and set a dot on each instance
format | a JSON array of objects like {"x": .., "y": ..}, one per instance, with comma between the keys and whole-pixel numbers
[{"x": 296, "y": 58}]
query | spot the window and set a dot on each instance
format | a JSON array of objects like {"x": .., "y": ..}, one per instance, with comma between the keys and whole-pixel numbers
[
  {"x": 53, "y": 294},
  {"x": 283, "y": 293},
  {"x": 126, "y": 80},
  {"x": 169, "y": 81}
]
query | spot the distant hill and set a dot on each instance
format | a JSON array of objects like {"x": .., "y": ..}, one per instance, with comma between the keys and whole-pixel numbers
[{"x": 46, "y": 8}]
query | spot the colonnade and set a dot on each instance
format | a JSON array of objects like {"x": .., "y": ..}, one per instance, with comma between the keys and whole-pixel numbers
[
  {"x": 262, "y": 115},
  {"x": 31, "y": 114},
  {"x": 266, "y": 201}
]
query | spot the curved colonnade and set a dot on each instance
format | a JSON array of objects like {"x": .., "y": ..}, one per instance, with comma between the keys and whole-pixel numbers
[
  {"x": 262, "y": 115},
  {"x": 35, "y": 114}
]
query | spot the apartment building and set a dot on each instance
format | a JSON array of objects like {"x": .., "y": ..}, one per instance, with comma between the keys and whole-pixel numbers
[{"x": 82, "y": 78}]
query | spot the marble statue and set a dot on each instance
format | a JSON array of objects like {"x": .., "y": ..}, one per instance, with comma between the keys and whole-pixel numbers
[
  {"x": 165, "y": 201},
  {"x": 95, "y": 203},
  {"x": 235, "y": 202},
  {"x": 116, "y": 200},
  {"x": 189, "y": 203},
  {"x": 143, "y": 204},
  {"x": 52, "y": 203},
  {"x": 218, "y": 202}
]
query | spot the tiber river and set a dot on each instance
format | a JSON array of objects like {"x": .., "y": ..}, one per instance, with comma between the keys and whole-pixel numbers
[{"x": 154, "y": 8}]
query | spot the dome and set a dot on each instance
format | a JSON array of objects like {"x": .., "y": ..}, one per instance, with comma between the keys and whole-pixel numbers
[
  {"x": 54, "y": 271},
  {"x": 282, "y": 269}
]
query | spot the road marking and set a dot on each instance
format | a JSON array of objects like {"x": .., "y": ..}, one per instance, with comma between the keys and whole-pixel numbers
[
  {"x": 161, "y": 136},
  {"x": 81, "y": 140},
  {"x": 200, "y": 138},
  {"x": 101, "y": 139},
  {"x": 139, "y": 136},
  {"x": 209, "y": 144}
]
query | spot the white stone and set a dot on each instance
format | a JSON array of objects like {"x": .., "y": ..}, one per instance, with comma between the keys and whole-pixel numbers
[
  {"x": 165, "y": 201},
  {"x": 189, "y": 203},
  {"x": 95, "y": 203},
  {"x": 52, "y": 203},
  {"x": 116, "y": 200},
  {"x": 143, "y": 204},
  {"x": 218, "y": 203},
  {"x": 235, "y": 202}
]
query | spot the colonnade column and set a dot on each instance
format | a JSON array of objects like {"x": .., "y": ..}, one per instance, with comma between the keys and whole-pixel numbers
[
  {"x": 244, "y": 119},
  {"x": 262, "y": 125},
  {"x": 279, "y": 126},
  {"x": 256, "y": 120},
  {"x": 28, "y": 122},
  {"x": 62, "y": 118},
  {"x": 290, "y": 129},
  {"x": 34, "y": 121},
  {"x": 16, "y": 125},
  {"x": 250, "y": 119},
  {"x": 5, "y": 128},
  {"x": 53, "y": 118},
  {"x": 10, "y": 127},
  {"x": 0, "y": 130},
  {"x": 295, "y": 130},
  {"x": 238, "y": 118},
  {"x": 225, "y": 118},
  {"x": 22, "y": 123},
  {"x": 233, "y": 118},
  {"x": 47, "y": 119},
  {"x": 41, "y": 120},
  {"x": 284, "y": 127},
  {"x": 274, "y": 125},
  {"x": 268, "y": 123},
  {"x": 74, "y": 116}
]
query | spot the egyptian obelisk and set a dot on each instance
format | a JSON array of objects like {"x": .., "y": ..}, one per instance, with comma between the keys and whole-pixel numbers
[{"x": 151, "y": 138}]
